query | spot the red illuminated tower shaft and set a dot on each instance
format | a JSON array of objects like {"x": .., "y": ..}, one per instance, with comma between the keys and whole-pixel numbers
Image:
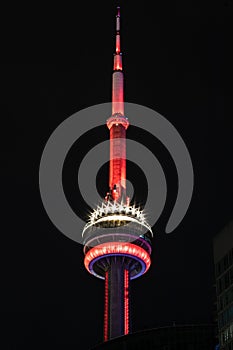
[
  {"x": 116, "y": 321},
  {"x": 117, "y": 125}
]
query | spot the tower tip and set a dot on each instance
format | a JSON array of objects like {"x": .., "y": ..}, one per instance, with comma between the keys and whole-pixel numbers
[
  {"x": 118, "y": 19},
  {"x": 117, "y": 58}
]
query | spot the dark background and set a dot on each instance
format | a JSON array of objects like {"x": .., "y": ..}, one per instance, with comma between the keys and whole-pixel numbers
[{"x": 177, "y": 61}]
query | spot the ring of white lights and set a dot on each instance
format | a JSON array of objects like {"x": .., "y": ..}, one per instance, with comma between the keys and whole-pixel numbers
[
  {"x": 117, "y": 218},
  {"x": 117, "y": 212}
]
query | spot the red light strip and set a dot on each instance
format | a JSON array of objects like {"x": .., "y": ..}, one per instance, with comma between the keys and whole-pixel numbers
[
  {"x": 106, "y": 308},
  {"x": 118, "y": 66},
  {"x": 118, "y": 44},
  {"x": 124, "y": 248},
  {"x": 126, "y": 300}
]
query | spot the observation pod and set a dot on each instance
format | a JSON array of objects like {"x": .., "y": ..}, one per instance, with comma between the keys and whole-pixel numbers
[{"x": 117, "y": 249}]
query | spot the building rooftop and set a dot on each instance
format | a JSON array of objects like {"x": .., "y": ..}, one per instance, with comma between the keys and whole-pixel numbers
[{"x": 176, "y": 337}]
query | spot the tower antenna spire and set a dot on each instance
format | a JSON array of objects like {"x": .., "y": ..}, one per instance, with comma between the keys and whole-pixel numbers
[
  {"x": 117, "y": 57},
  {"x": 118, "y": 19}
]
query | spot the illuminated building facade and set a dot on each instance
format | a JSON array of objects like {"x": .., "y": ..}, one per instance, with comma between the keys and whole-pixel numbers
[
  {"x": 117, "y": 237},
  {"x": 223, "y": 258}
]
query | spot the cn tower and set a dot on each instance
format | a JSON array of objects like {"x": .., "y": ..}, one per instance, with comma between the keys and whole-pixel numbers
[{"x": 117, "y": 237}]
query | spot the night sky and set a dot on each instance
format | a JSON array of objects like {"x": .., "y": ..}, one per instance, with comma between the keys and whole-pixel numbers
[{"x": 177, "y": 61}]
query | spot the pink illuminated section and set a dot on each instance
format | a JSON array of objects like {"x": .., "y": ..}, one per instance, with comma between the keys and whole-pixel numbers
[
  {"x": 118, "y": 44},
  {"x": 117, "y": 62},
  {"x": 117, "y": 174},
  {"x": 118, "y": 90},
  {"x": 126, "y": 300},
  {"x": 116, "y": 248}
]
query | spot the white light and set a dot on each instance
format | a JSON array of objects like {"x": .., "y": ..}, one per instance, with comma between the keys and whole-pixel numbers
[
  {"x": 121, "y": 208},
  {"x": 101, "y": 211},
  {"x": 109, "y": 212}
]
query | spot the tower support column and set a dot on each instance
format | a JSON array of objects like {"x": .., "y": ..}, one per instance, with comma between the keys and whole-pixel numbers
[{"x": 116, "y": 319}]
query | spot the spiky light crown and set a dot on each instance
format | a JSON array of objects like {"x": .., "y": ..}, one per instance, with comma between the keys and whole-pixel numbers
[{"x": 118, "y": 211}]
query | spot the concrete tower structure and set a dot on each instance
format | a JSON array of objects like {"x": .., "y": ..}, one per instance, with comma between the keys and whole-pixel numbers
[
  {"x": 223, "y": 259},
  {"x": 117, "y": 237}
]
